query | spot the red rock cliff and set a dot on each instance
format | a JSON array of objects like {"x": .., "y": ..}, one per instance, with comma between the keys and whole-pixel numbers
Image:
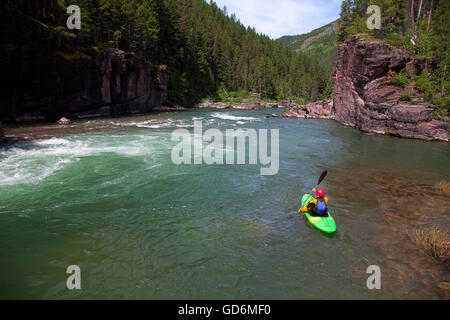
[{"x": 362, "y": 98}]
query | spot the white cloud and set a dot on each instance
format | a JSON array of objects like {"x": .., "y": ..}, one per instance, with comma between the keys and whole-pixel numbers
[{"x": 277, "y": 18}]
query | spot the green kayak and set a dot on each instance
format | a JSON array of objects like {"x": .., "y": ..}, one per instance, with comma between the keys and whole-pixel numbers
[{"x": 325, "y": 224}]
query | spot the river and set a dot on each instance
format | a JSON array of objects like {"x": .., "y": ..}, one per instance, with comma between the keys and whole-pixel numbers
[{"x": 106, "y": 196}]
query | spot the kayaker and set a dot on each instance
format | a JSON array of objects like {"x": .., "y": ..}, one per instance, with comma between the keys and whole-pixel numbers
[{"x": 318, "y": 205}]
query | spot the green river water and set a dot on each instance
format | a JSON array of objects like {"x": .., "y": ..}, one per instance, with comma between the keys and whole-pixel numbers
[{"x": 105, "y": 195}]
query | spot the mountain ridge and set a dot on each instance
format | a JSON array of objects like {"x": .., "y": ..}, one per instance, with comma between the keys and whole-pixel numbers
[
  {"x": 302, "y": 41},
  {"x": 320, "y": 43}
]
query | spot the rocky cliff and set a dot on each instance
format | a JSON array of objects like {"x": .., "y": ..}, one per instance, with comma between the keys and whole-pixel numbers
[
  {"x": 364, "y": 98},
  {"x": 101, "y": 83},
  {"x": 315, "y": 110},
  {"x": 2, "y": 135}
]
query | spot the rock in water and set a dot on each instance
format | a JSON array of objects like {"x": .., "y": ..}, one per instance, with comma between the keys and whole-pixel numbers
[{"x": 63, "y": 121}]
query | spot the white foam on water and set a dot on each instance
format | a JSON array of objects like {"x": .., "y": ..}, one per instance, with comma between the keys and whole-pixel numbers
[
  {"x": 52, "y": 141},
  {"x": 151, "y": 126},
  {"x": 154, "y": 124},
  {"x": 16, "y": 171},
  {"x": 134, "y": 123},
  {"x": 226, "y": 116},
  {"x": 32, "y": 162}
]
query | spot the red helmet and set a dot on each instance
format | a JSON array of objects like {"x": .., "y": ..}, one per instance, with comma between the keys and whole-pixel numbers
[{"x": 320, "y": 192}]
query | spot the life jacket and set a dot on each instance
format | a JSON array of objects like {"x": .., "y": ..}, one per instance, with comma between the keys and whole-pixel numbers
[{"x": 321, "y": 207}]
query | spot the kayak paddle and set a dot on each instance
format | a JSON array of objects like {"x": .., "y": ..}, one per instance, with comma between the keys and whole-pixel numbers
[{"x": 322, "y": 176}]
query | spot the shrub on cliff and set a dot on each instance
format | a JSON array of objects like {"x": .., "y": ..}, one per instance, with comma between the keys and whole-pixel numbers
[
  {"x": 443, "y": 107},
  {"x": 440, "y": 114},
  {"x": 399, "y": 79},
  {"x": 429, "y": 88},
  {"x": 424, "y": 84},
  {"x": 442, "y": 102},
  {"x": 406, "y": 95}
]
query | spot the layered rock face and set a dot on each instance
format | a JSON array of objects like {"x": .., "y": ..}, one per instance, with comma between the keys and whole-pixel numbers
[
  {"x": 363, "y": 97},
  {"x": 2, "y": 135},
  {"x": 113, "y": 82},
  {"x": 159, "y": 96},
  {"x": 363, "y": 100},
  {"x": 315, "y": 110}
]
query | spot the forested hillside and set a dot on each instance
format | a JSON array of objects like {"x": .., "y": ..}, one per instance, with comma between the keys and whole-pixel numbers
[
  {"x": 419, "y": 26},
  {"x": 207, "y": 51},
  {"x": 319, "y": 44}
]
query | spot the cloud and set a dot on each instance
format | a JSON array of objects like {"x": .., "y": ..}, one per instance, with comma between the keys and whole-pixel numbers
[{"x": 277, "y": 18}]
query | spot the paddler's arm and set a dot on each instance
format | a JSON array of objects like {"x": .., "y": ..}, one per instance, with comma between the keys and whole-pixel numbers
[
  {"x": 305, "y": 208},
  {"x": 302, "y": 210}
]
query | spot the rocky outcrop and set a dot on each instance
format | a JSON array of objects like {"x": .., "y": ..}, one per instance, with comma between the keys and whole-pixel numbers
[
  {"x": 244, "y": 105},
  {"x": 315, "y": 110},
  {"x": 363, "y": 99},
  {"x": 2, "y": 135},
  {"x": 101, "y": 83},
  {"x": 159, "y": 96}
]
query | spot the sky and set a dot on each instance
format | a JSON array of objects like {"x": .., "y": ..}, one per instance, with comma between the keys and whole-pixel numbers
[{"x": 277, "y": 18}]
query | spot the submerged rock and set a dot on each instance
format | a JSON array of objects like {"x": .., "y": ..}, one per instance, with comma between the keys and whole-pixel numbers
[{"x": 255, "y": 230}]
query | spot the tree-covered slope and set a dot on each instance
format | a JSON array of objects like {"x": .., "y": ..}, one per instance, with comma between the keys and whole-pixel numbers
[
  {"x": 205, "y": 49},
  {"x": 310, "y": 39},
  {"x": 319, "y": 44}
]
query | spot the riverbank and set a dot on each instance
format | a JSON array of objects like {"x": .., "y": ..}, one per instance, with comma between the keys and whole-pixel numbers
[
  {"x": 254, "y": 105},
  {"x": 41, "y": 130},
  {"x": 414, "y": 121},
  {"x": 403, "y": 120}
]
